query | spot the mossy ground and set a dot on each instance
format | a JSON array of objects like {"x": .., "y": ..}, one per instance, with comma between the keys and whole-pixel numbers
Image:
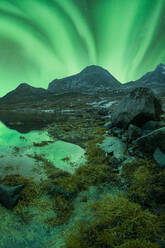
[
  {"x": 146, "y": 182},
  {"x": 116, "y": 222},
  {"x": 28, "y": 196},
  {"x": 133, "y": 220}
]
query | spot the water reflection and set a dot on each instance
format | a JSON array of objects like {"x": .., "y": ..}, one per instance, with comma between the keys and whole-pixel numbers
[{"x": 17, "y": 152}]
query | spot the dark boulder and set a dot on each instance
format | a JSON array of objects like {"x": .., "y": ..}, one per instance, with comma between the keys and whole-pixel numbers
[
  {"x": 141, "y": 105},
  {"x": 159, "y": 157},
  {"x": 148, "y": 143},
  {"x": 134, "y": 132},
  {"x": 9, "y": 195},
  {"x": 152, "y": 125}
]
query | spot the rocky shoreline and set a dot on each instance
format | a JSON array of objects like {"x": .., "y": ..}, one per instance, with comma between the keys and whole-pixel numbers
[
  {"x": 92, "y": 171},
  {"x": 125, "y": 158}
]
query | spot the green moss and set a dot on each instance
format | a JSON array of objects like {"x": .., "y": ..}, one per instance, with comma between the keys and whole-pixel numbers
[
  {"x": 95, "y": 172},
  {"x": 63, "y": 209},
  {"x": 99, "y": 130},
  {"x": 67, "y": 183},
  {"x": 95, "y": 154},
  {"x": 141, "y": 189},
  {"x": 146, "y": 182},
  {"x": 16, "y": 149},
  {"x": 49, "y": 168},
  {"x": 115, "y": 222},
  {"x": 66, "y": 159},
  {"x": 94, "y": 175},
  {"x": 129, "y": 168},
  {"x": 43, "y": 143},
  {"x": 138, "y": 244},
  {"x": 86, "y": 176},
  {"x": 28, "y": 194}
]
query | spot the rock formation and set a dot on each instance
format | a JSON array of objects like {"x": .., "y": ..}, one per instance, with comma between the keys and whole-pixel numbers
[
  {"x": 9, "y": 195},
  {"x": 140, "y": 106}
]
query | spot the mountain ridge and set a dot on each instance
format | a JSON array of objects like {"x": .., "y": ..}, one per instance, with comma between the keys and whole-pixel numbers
[
  {"x": 91, "y": 80},
  {"x": 155, "y": 77}
]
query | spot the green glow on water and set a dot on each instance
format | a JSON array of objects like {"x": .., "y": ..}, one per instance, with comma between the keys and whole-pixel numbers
[
  {"x": 41, "y": 40},
  {"x": 15, "y": 149}
]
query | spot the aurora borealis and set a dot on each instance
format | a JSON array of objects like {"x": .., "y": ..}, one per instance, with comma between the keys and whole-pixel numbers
[{"x": 41, "y": 40}]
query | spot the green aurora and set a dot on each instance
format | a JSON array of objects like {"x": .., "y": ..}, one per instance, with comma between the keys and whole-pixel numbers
[{"x": 41, "y": 40}]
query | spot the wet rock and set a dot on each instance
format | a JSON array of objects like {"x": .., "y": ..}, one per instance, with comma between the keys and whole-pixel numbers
[
  {"x": 134, "y": 132},
  {"x": 140, "y": 106},
  {"x": 124, "y": 138},
  {"x": 129, "y": 159},
  {"x": 148, "y": 143},
  {"x": 108, "y": 124},
  {"x": 9, "y": 195},
  {"x": 113, "y": 145},
  {"x": 159, "y": 157},
  {"x": 116, "y": 131},
  {"x": 152, "y": 125}
]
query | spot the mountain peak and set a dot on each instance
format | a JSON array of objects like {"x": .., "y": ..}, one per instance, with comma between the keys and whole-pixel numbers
[
  {"x": 93, "y": 68},
  {"x": 91, "y": 79},
  {"x": 24, "y": 92},
  {"x": 23, "y": 86},
  {"x": 154, "y": 80},
  {"x": 160, "y": 67}
]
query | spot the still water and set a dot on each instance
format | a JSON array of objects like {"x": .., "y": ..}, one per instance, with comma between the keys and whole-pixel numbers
[{"x": 17, "y": 152}]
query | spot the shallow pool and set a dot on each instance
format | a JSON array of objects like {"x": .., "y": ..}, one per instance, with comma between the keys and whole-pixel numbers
[{"x": 18, "y": 153}]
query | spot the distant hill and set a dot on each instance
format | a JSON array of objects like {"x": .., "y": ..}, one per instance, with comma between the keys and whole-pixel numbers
[
  {"x": 90, "y": 80},
  {"x": 24, "y": 92}
]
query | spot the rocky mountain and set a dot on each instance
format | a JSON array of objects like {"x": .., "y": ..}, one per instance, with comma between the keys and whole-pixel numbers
[
  {"x": 24, "y": 92},
  {"x": 155, "y": 77},
  {"x": 91, "y": 80},
  {"x": 154, "y": 80}
]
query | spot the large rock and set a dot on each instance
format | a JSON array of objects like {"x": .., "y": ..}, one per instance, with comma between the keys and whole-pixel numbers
[
  {"x": 140, "y": 106},
  {"x": 9, "y": 195},
  {"x": 149, "y": 142}
]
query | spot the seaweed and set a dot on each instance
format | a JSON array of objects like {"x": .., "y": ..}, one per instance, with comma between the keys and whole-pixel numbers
[{"x": 115, "y": 222}]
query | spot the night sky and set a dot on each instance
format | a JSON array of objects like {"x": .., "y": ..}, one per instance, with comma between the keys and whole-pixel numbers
[{"x": 41, "y": 40}]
